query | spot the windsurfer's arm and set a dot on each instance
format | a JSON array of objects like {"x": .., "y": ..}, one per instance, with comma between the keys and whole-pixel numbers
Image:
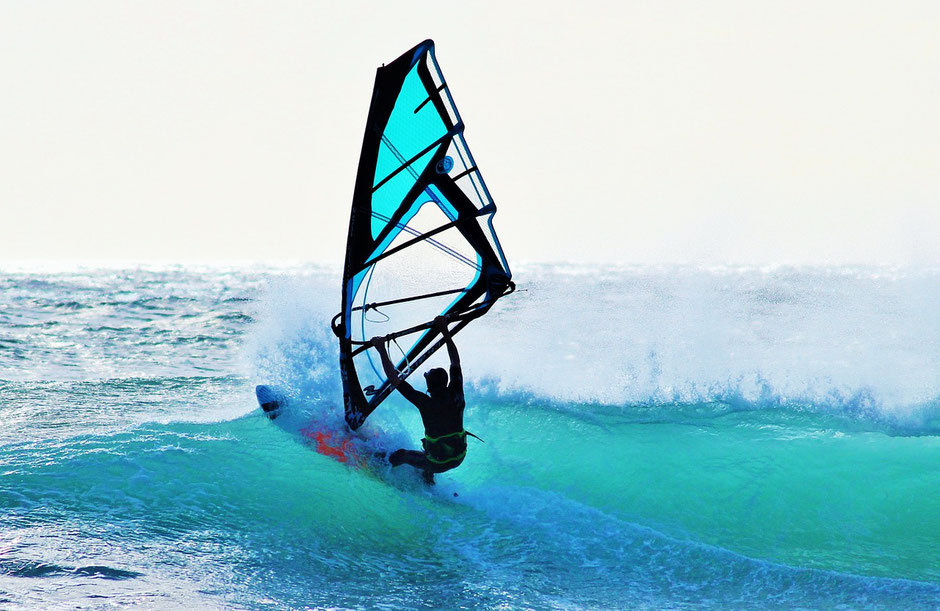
[
  {"x": 390, "y": 372},
  {"x": 456, "y": 375}
]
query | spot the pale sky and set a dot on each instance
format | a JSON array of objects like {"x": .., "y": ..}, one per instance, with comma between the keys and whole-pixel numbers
[{"x": 623, "y": 132}]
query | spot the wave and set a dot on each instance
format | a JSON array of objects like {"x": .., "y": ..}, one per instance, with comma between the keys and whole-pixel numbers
[
  {"x": 41, "y": 569},
  {"x": 525, "y": 530},
  {"x": 863, "y": 344},
  {"x": 655, "y": 437}
]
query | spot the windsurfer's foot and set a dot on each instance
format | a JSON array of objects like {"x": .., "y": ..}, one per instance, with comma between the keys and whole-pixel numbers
[
  {"x": 428, "y": 478},
  {"x": 397, "y": 457}
]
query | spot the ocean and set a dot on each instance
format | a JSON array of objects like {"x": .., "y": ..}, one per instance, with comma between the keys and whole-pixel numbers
[{"x": 655, "y": 438}]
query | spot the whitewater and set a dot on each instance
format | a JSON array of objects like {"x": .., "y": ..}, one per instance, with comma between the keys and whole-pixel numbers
[{"x": 666, "y": 437}]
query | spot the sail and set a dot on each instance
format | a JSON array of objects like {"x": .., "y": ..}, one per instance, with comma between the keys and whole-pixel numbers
[{"x": 421, "y": 241}]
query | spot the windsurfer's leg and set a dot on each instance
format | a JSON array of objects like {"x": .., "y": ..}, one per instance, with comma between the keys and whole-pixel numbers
[
  {"x": 428, "y": 477},
  {"x": 408, "y": 457},
  {"x": 416, "y": 459}
]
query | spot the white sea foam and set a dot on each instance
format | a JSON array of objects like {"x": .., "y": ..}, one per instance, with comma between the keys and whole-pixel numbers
[{"x": 863, "y": 341}]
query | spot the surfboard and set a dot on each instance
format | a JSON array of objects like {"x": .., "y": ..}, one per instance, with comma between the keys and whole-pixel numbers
[
  {"x": 354, "y": 449},
  {"x": 340, "y": 445}
]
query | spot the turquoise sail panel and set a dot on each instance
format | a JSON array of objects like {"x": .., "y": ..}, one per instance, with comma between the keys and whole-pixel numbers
[
  {"x": 408, "y": 132},
  {"x": 389, "y": 197}
]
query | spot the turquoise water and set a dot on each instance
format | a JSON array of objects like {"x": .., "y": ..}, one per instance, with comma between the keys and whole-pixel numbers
[{"x": 700, "y": 439}]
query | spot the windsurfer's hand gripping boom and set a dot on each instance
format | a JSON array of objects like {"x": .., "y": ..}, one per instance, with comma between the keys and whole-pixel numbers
[
  {"x": 440, "y": 324},
  {"x": 391, "y": 373}
]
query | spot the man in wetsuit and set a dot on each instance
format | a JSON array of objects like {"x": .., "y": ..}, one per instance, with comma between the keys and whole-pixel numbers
[{"x": 445, "y": 440}]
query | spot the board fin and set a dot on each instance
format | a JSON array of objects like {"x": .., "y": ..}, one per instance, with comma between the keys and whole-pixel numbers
[{"x": 270, "y": 400}]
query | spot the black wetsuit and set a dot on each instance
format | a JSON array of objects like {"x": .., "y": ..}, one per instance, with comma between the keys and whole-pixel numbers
[{"x": 445, "y": 441}]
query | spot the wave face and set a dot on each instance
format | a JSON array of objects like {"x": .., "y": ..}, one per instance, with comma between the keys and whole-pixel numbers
[{"x": 655, "y": 438}]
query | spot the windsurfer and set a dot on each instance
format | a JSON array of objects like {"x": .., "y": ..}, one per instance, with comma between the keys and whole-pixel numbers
[{"x": 445, "y": 440}]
